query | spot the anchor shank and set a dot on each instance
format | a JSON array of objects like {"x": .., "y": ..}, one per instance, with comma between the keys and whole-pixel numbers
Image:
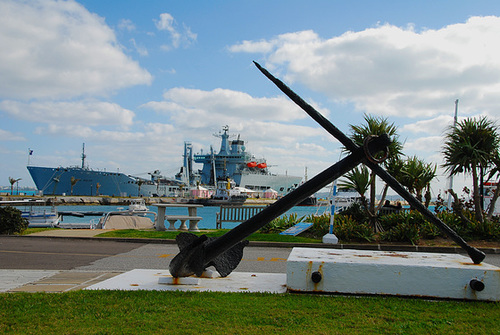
[
  {"x": 318, "y": 117},
  {"x": 307, "y": 189},
  {"x": 476, "y": 255}
]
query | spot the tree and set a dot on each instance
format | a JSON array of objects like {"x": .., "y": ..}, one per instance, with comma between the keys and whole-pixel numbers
[
  {"x": 73, "y": 182},
  {"x": 376, "y": 126},
  {"x": 12, "y": 181},
  {"x": 495, "y": 170},
  {"x": 11, "y": 221},
  {"x": 357, "y": 179},
  {"x": 416, "y": 176},
  {"x": 139, "y": 183},
  {"x": 471, "y": 147}
]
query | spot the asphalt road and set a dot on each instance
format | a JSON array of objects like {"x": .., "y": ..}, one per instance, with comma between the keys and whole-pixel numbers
[{"x": 89, "y": 255}]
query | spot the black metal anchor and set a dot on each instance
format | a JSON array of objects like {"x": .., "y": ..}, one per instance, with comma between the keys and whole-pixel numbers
[
  {"x": 476, "y": 255},
  {"x": 224, "y": 253}
]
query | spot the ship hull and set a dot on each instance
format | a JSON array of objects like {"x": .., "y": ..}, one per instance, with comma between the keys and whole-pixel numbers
[
  {"x": 57, "y": 181},
  {"x": 260, "y": 182}
]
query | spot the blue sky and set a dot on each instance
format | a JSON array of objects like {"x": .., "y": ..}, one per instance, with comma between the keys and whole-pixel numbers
[{"x": 133, "y": 80}]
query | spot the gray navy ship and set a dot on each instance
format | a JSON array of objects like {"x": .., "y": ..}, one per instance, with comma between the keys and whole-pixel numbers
[
  {"x": 235, "y": 163},
  {"x": 231, "y": 162}
]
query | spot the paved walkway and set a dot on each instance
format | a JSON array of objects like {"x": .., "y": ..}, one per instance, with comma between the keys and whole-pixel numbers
[
  {"x": 68, "y": 280},
  {"x": 52, "y": 280},
  {"x": 49, "y": 280},
  {"x": 70, "y": 232}
]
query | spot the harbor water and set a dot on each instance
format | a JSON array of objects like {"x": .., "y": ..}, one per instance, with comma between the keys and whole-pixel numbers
[{"x": 208, "y": 213}]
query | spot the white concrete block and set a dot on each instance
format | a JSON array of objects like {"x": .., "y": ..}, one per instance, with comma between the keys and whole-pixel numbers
[
  {"x": 169, "y": 280},
  {"x": 330, "y": 239},
  {"x": 391, "y": 273},
  {"x": 146, "y": 279}
]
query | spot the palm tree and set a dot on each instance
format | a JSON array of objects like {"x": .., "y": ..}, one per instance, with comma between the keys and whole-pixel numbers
[
  {"x": 139, "y": 183},
  {"x": 471, "y": 147},
  {"x": 12, "y": 181},
  {"x": 73, "y": 182},
  {"x": 417, "y": 175},
  {"x": 357, "y": 179},
  {"x": 376, "y": 126}
]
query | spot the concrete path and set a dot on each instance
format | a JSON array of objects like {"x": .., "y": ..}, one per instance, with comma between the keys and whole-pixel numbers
[
  {"x": 100, "y": 273},
  {"x": 70, "y": 232}
]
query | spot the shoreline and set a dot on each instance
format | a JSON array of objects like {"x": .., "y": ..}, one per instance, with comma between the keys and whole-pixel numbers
[{"x": 115, "y": 201}]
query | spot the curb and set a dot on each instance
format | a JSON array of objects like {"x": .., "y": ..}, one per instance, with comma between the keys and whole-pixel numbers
[{"x": 380, "y": 247}]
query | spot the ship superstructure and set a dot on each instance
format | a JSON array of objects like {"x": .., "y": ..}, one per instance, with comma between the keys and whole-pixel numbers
[{"x": 234, "y": 162}]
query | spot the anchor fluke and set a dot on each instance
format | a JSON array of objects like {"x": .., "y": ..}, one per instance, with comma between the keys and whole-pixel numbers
[{"x": 192, "y": 257}]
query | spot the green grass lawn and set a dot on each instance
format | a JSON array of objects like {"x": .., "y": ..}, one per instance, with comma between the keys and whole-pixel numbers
[
  {"x": 152, "y": 312},
  {"x": 133, "y": 233}
]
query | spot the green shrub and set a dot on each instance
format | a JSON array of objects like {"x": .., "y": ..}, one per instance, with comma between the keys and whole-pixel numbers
[
  {"x": 281, "y": 223},
  {"x": 402, "y": 232},
  {"x": 11, "y": 221},
  {"x": 472, "y": 230},
  {"x": 456, "y": 223},
  {"x": 357, "y": 212},
  {"x": 320, "y": 227},
  {"x": 405, "y": 226},
  {"x": 348, "y": 229}
]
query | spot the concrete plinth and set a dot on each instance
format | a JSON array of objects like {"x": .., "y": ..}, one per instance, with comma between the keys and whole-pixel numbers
[
  {"x": 449, "y": 276},
  {"x": 330, "y": 239},
  {"x": 161, "y": 280}
]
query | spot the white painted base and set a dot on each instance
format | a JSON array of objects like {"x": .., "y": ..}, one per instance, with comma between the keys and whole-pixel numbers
[
  {"x": 390, "y": 273},
  {"x": 145, "y": 279},
  {"x": 330, "y": 239},
  {"x": 169, "y": 280}
]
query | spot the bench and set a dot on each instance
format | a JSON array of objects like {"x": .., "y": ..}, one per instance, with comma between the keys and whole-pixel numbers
[
  {"x": 192, "y": 216},
  {"x": 235, "y": 214},
  {"x": 193, "y": 222}
]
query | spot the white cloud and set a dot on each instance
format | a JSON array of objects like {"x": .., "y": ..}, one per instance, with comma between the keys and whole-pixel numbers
[
  {"x": 89, "y": 113},
  {"x": 394, "y": 71},
  {"x": 434, "y": 126},
  {"x": 183, "y": 37},
  {"x": 6, "y": 135},
  {"x": 141, "y": 50},
  {"x": 53, "y": 49},
  {"x": 221, "y": 106},
  {"x": 126, "y": 24},
  {"x": 428, "y": 144}
]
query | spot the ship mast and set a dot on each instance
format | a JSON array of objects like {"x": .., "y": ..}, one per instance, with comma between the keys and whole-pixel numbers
[{"x": 83, "y": 156}]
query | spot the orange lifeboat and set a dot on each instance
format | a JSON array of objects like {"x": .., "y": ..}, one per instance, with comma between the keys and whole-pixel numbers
[
  {"x": 262, "y": 165},
  {"x": 252, "y": 164}
]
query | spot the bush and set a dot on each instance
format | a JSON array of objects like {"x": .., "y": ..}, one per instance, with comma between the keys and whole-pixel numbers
[
  {"x": 11, "y": 221},
  {"x": 281, "y": 223},
  {"x": 320, "y": 227},
  {"x": 405, "y": 226},
  {"x": 348, "y": 229},
  {"x": 472, "y": 230},
  {"x": 357, "y": 212}
]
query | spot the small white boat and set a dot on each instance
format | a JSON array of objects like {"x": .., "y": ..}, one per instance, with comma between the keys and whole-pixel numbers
[
  {"x": 137, "y": 206},
  {"x": 135, "y": 217},
  {"x": 37, "y": 212}
]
